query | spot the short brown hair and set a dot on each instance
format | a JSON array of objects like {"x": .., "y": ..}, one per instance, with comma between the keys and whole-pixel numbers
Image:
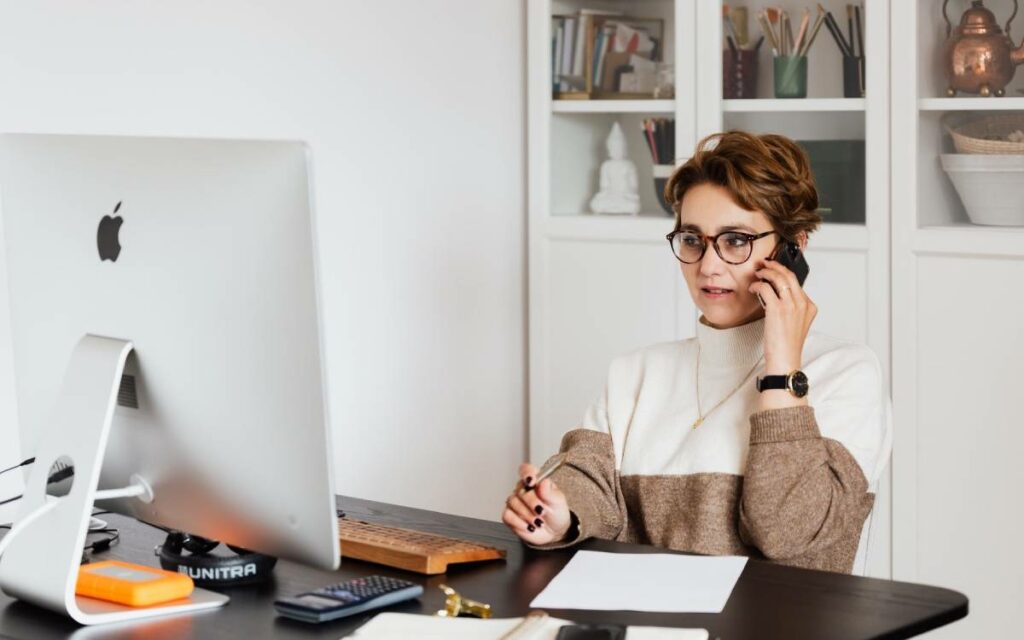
[{"x": 768, "y": 173}]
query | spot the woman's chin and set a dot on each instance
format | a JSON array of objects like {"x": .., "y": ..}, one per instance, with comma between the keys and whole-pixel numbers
[{"x": 718, "y": 316}]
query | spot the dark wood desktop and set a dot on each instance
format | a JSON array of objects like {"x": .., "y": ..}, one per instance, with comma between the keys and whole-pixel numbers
[{"x": 769, "y": 601}]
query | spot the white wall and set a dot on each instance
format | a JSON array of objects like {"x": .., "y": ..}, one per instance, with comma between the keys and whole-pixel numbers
[{"x": 415, "y": 113}]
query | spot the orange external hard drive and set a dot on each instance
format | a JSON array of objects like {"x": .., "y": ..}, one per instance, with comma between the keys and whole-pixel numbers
[{"x": 130, "y": 584}]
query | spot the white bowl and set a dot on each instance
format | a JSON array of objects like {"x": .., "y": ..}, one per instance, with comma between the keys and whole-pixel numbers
[{"x": 990, "y": 186}]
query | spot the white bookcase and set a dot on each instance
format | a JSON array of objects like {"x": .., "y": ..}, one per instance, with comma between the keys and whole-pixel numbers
[
  {"x": 957, "y": 345},
  {"x": 601, "y": 286}
]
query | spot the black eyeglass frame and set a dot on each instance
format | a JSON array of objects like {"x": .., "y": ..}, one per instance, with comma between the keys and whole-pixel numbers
[{"x": 713, "y": 240}]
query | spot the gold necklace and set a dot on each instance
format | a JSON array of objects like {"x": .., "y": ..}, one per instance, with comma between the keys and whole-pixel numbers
[{"x": 700, "y": 413}]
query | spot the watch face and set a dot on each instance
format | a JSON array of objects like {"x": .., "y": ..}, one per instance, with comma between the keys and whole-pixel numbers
[{"x": 799, "y": 384}]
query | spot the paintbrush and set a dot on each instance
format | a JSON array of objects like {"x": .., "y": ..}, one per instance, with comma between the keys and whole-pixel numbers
[
  {"x": 766, "y": 30},
  {"x": 814, "y": 32},
  {"x": 798, "y": 45},
  {"x": 849, "y": 27},
  {"x": 860, "y": 29},
  {"x": 730, "y": 38},
  {"x": 739, "y": 23},
  {"x": 772, "y": 14},
  {"x": 837, "y": 34},
  {"x": 789, "y": 33}
]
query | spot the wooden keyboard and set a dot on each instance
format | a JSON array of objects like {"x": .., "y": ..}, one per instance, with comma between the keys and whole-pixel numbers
[{"x": 427, "y": 553}]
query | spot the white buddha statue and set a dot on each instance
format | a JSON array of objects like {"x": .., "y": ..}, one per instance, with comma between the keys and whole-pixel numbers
[{"x": 618, "y": 186}]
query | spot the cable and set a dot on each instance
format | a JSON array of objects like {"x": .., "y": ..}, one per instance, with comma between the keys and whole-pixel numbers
[
  {"x": 23, "y": 463},
  {"x": 101, "y": 545},
  {"x": 63, "y": 472}
]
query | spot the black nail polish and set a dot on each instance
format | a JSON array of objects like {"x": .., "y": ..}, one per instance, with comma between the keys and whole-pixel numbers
[
  {"x": 538, "y": 522},
  {"x": 528, "y": 480},
  {"x": 531, "y": 528},
  {"x": 539, "y": 509}
]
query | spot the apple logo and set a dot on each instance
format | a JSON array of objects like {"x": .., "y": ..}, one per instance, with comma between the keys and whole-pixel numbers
[{"x": 106, "y": 236}]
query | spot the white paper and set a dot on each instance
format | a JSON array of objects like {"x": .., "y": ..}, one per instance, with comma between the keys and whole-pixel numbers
[
  {"x": 402, "y": 626},
  {"x": 643, "y": 582}
]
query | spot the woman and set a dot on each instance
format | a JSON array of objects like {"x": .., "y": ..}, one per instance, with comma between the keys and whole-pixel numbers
[{"x": 682, "y": 450}]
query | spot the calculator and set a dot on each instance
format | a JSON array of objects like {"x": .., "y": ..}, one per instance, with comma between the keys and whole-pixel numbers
[{"x": 347, "y": 598}]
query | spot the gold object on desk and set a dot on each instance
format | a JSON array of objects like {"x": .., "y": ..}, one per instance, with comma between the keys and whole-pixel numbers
[
  {"x": 979, "y": 57},
  {"x": 455, "y": 605}
]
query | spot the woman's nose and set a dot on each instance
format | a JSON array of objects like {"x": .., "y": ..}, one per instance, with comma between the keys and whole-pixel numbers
[{"x": 710, "y": 263}]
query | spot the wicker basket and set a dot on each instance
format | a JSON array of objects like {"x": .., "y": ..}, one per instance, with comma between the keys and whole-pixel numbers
[{"x": 987, "y": 134}]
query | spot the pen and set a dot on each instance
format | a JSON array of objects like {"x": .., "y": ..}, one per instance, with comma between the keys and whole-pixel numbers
[{"x": 549, "y": 467}]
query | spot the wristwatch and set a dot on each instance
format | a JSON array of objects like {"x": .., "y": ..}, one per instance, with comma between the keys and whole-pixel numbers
[{"x": 796, "y": 383}]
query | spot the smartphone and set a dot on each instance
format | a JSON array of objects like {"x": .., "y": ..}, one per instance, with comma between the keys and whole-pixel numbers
[
  {"x": 789, "y": 255},
  {"x": 591, "y": 632}
]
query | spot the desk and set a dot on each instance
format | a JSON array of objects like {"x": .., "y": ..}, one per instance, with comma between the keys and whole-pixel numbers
[{"x": 770, "y": 601}]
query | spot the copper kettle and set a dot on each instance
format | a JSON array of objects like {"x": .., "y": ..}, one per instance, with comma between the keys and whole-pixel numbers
[{"x": 980, "y": 57}]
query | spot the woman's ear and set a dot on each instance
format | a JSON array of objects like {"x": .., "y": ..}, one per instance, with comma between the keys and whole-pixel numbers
[{"x": 801, "y": 240}]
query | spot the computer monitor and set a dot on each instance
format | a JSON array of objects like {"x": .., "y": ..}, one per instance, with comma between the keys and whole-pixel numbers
[{"x": 202, "y": 254}]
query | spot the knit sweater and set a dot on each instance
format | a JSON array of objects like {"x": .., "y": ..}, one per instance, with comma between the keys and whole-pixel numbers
[{"x": 789, "y": 485}]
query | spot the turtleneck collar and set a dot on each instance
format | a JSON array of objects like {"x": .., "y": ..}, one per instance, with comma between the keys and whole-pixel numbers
[{"x": 740, "y": 346}]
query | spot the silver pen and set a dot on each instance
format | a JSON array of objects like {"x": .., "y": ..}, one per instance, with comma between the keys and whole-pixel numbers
[{"x": 549, "y": 467}]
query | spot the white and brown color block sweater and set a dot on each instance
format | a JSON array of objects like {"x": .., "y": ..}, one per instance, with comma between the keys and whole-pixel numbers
[{"x": 790, "y": 485}]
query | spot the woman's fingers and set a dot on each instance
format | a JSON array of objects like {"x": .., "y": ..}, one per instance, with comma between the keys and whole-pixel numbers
[
  {"x": 784, "y": 280},
  {"x": 781, "y": 285},
  {"x": 765, "y": 292},
  {"x": 527, "y": 473},
  {"x": 521, "y": 510}
]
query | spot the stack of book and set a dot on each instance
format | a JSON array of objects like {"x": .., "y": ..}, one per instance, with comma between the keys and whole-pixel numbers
[{"x": 604, "y": 54}]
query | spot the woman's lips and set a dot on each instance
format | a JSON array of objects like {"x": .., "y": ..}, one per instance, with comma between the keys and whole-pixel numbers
[{"x": 715, "y": 293}]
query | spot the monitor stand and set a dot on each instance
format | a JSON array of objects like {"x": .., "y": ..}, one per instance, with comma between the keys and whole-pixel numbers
[{"x": 41, "y": 563}]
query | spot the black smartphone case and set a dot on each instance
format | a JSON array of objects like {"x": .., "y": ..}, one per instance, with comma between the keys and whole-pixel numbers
[
  {"x": 591, "y": 632},
  {"x": 790, "y": 256}
]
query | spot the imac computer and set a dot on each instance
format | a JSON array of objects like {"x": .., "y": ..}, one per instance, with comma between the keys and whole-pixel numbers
[{"x": 165, "y": 332}]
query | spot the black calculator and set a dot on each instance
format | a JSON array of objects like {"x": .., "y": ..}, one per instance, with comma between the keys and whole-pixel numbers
[{"x": 347, "y": 598}]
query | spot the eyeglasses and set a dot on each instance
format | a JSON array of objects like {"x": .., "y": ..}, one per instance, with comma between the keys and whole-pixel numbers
[{"x": 734, "y": 247}]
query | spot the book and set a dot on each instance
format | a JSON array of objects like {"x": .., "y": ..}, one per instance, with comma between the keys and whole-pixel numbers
[
  {"x": 559, "y": 43},
  {"x": 568, "y": 46}
]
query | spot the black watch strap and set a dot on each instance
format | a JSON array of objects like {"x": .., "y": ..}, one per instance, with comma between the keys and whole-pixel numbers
[
  {"x": 796, "y": 383},
  {"x": 772, "y": 382}
]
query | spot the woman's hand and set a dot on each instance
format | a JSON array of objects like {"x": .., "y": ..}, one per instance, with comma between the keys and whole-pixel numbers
[
  {"x": 540, "y": 516},
  {"x": 788, "y": 317}
]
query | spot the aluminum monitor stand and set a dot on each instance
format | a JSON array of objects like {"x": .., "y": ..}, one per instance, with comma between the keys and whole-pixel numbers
[{"x": 41, "y": 563}]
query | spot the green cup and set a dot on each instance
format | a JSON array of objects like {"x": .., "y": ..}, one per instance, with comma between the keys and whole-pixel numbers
[{"x": 790, "y": 76}]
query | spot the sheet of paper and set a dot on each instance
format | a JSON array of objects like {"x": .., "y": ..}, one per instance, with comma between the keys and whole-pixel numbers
[
  {"x": 402, "y": 626},
  {"x": 643, "y": 582}
]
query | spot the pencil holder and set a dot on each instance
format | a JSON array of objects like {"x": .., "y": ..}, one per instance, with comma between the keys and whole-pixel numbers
[
  {"x": 739, "y": 73},
  {"x": 661, "y": 173},
  {"x": 790, "y": 76},
  {"x": 853, "y": 77}
]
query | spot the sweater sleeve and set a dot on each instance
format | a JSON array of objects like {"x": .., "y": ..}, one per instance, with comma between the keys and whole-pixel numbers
[
  {"x": 806, "y": 492},
  {"x": 590, "y": 481}
]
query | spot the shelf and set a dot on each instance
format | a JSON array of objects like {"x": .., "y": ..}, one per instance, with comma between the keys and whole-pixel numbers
[
  {"x": 971, "y": 104},
  {"x": 970, "y": 240},
  {"x": 613, "y": 106},
  {"x": 652, "y": 228},
  {"x": 805, "y": 104}
]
